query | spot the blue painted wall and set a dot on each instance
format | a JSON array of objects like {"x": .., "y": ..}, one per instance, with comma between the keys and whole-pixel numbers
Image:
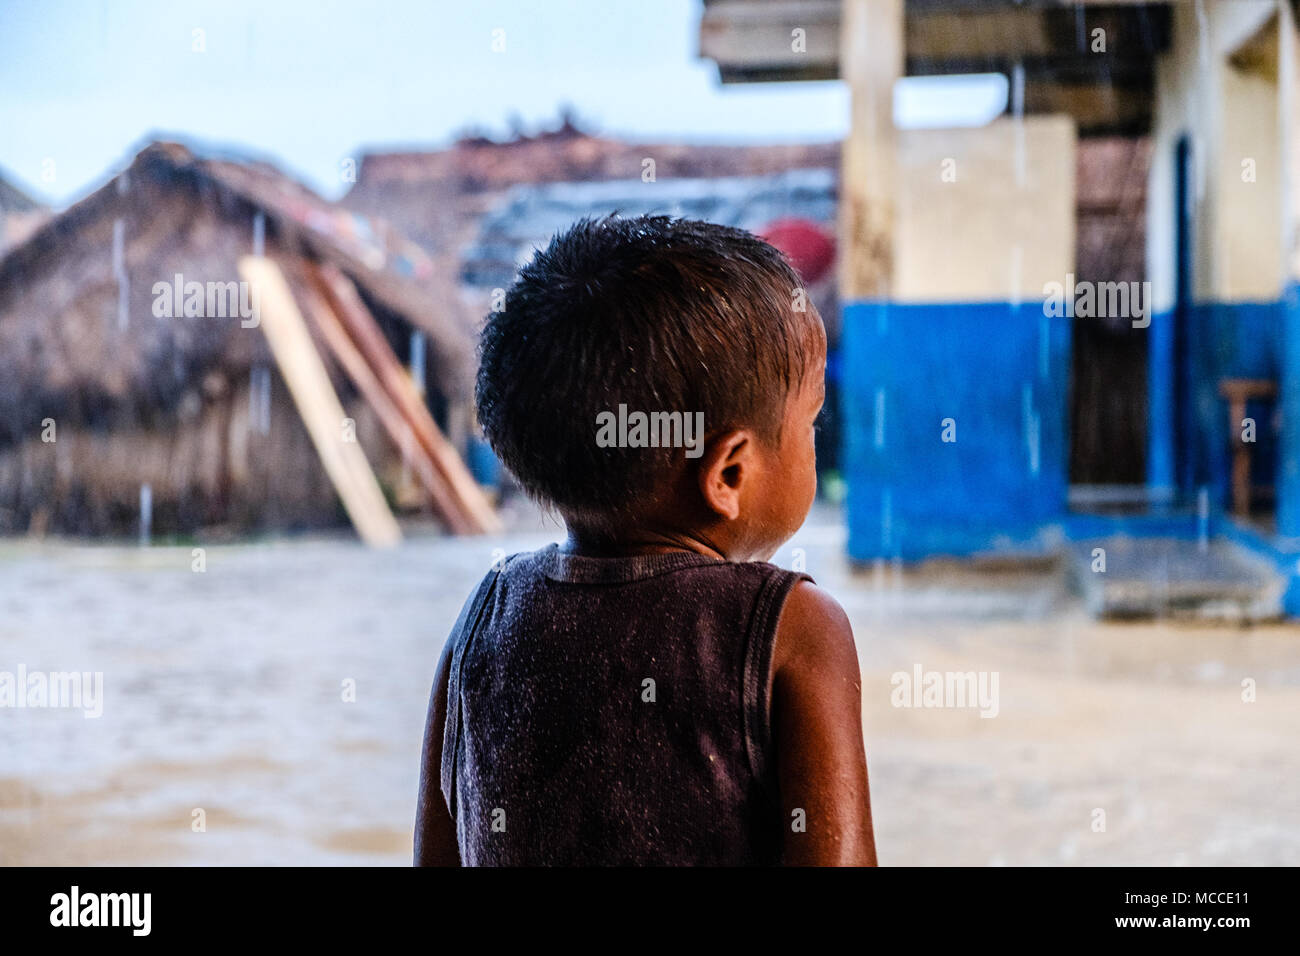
[
  {"x": 999, "y": 370},
  {"x": 1162, "y": 404},
  {"x": 1288, "y": 470}
]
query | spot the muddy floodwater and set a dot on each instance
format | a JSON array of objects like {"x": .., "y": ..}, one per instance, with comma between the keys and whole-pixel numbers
[{"x": 229, "y": 691}]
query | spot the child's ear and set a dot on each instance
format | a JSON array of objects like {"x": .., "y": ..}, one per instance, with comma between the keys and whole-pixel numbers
[{"x": 724, "y": 467}]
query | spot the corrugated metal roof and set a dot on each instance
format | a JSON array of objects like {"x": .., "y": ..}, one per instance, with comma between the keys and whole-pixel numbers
[{"x": 530, "y": 215}]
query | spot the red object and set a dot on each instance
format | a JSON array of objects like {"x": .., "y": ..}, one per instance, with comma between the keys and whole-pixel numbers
[{"x": 810, "y": 250}]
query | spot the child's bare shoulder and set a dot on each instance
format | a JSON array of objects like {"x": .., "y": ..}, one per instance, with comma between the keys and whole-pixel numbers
[{"x": 813, "y": 635}]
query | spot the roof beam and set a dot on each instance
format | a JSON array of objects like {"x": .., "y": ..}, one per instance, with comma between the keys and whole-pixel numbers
[
  {"x": 757, "y": 41},
  {"x": 1106, "y": 91}
]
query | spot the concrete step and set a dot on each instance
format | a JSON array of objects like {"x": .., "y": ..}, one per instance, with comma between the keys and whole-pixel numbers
[{"x": 1175, "y": 577}]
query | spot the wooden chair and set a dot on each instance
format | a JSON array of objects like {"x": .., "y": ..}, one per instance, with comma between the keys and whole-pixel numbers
[{"x": 1237, "y": 392}]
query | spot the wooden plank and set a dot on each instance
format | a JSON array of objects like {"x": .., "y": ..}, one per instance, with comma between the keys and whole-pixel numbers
[
  {"x": 319, "y": 406},
  {"x": 341, "y": 346},
  {"x": 760, "y": 38},
  {"x": 347, "y": 304}
]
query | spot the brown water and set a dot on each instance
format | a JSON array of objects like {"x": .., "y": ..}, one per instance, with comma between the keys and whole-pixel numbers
[{"x": 223, "y": 691}]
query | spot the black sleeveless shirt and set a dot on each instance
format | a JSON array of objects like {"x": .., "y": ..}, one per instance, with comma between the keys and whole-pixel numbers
[{"x": 606, "y": 711}]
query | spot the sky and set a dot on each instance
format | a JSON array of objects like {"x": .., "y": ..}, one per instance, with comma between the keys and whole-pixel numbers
[{"x": 310, "y": 84}]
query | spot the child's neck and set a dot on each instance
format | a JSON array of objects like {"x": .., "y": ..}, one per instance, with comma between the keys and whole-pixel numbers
[{"x": 632, "y": 542}]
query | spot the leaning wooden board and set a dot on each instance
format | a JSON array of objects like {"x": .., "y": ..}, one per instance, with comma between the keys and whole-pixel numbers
[
  {"x": 346, "y": 303},
  {"x": 319, "y": 406},
  {"x": 345, "y": 352}
]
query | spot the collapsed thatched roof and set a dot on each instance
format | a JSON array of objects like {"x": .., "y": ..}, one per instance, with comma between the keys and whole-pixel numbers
[{"x": 169, "y": 193}]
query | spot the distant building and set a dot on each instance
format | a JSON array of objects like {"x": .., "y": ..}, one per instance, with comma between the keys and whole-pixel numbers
[
  {"x": 529, "y": 215},
  {"x": 976, "y": 411},
  {"x": 438, "y": 197},
  {"x": 112, "y": 389}
]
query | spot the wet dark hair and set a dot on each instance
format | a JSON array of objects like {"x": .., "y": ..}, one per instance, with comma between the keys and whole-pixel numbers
[{"x": 655, "y": 313}]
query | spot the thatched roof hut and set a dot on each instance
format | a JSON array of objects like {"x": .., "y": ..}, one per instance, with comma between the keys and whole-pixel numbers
[{"x": 107, "y": 387}]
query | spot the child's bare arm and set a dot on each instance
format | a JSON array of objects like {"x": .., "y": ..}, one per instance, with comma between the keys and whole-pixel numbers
[
  {"x": 435, "y": 831},
  {"x": 817, "y": 730}
]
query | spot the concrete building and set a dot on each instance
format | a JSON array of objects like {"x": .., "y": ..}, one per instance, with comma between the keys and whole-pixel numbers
[{"x": 959, "y": 281}]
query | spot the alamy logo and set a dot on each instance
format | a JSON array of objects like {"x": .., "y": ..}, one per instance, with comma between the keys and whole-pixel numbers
[
  {"x": 75, "y": 908},
  {"x": 1099, "y": 300},
  {"x": 67, "y": 690},
  {"x": 946, "y": 689},
  {"x": 651, "y": 430},
  {"x": 211, "y": 300}
]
